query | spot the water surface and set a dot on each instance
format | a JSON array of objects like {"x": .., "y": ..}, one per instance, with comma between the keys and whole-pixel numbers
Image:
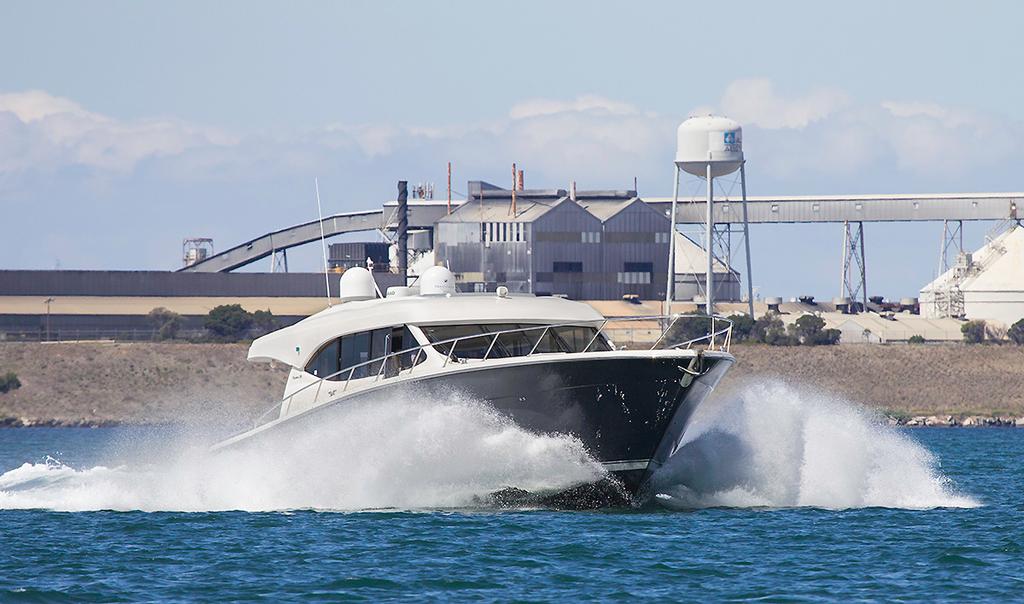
[{"x": 839, "y": 525}]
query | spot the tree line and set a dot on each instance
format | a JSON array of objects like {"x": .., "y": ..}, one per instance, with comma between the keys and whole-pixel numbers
[
  {"x": 807, "y": 330},
  {"x": 224, "y": 323}
]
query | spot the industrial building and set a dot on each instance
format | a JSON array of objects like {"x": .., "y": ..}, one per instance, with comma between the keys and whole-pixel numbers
[
  {"x": 586, "y": 245},
  {"x": 987, "y": 284},
  {"x": 74, "y": 305}
]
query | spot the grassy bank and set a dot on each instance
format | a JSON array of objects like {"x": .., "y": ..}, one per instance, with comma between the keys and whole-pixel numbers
[
  {"x": 97, "y": 383},
  {"x": 900, "y": 379}
]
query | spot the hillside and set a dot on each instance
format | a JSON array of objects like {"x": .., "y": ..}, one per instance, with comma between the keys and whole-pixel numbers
[{"x": 97, "y": 383}]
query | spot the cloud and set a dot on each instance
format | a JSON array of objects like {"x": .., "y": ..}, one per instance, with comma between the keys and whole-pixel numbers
[
  {"x": 819, "y": 135},
  {"x": 822, "y": 134},
  {"x": 43, "y": 131},
  {"x": 581, "y": 104},
  {"x": 755, "y": 102}
]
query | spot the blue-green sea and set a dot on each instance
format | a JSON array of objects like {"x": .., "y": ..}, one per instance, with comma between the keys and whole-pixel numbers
[{"x": 780, "y": 496}]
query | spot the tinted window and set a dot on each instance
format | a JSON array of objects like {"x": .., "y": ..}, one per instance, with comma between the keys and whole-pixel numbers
[
  {"x": 355, "y": 349},
  {"x": 348, "y": 351},
  {"x": 476, "y": 340},
  {"x": 325, "y": 363}
]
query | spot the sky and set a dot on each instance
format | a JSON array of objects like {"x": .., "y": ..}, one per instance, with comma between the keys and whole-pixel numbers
[{"x": 128, "y": 126}]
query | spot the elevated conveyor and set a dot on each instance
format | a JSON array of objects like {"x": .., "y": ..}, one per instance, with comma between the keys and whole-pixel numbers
[{"x": 263, "y": 246}]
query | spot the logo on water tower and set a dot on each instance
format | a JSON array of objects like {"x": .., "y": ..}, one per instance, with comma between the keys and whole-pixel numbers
[{"x": 730, "y": 141}]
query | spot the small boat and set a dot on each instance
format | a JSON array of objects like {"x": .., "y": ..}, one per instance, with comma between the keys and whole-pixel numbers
[{"x": 545, "y": 362}]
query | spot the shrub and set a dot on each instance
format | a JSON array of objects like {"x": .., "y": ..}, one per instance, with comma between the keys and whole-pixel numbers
[
  {"x": 770, "y": 329},
  {"x": 810, "y": 331},
  {"x": 1016, "y": 333},
  {"x": 808, "y": 327},
  {"x": 742, "y": 327},
  {"x": 974, "y": 332},
  {"x": 689, "y": 326},
  {"x": 9, "y": 381},
  {"x": 915, "y": 339},
  {"x": 264, "y": 321},
  {"x": 826, "y": 337},
  {"x": 167, "y": 322},
  {"x": 229, "y": 322}
]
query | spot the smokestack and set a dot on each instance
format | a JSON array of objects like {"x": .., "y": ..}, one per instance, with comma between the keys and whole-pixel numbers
[
  {"x": 403, "y": 228},
  {"x": 515, "y": 187},
  {"x": 520, "y": 184}
]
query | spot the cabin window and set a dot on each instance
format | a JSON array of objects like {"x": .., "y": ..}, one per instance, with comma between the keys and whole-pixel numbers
[
  {"x": 476, "y": 339},
  {"x": 325, "y": 363},
  {"x": 356, "y": 350}
]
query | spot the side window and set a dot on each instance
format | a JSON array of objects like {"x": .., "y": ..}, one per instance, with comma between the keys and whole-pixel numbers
[
  {"x": 355, "y": 349},
  {"x": 325, "y": 363},
  {"x": 576, "y": 339},
  {"x": 380, "y": 340}
]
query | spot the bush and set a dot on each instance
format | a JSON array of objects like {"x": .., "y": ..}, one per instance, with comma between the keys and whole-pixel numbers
[
  {"x": 264, "y": 321},
  {"x": 229, "y": 322},
  {"x": 915, "y": 339},
  {"x": 826, "y": 337},
  {"x": 770, "y": 329},
  {"x": 689, "y": 326},
  {"x": 742, "y": 327},
  {"x": 809, "y": 330},
  {"x": 167, "y": 322},
  {"x": 1016, "y": 333},
  {"x": 974, "y": 332},
  {"x": 9, "y": 381},
  {"x": 808, "y": 327}
]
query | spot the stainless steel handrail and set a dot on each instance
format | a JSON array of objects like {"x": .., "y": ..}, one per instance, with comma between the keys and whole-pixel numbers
[{"x": 422, "y": 350}]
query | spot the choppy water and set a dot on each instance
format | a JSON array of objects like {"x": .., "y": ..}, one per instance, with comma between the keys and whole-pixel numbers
[{"x": 779, "y": 495}]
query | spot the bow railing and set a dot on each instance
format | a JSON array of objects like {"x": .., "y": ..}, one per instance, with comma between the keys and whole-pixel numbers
[{"x": 718, "y": 337}]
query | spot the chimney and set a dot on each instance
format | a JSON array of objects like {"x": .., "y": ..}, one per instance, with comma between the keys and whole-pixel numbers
[{"x": 403, "y": 229}]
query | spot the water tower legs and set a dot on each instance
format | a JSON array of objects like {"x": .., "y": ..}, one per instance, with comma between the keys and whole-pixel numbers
[
  {"x": 671, "y": 285},
  {"x": 746, "y": 239},
  {"x": 709, "y": 292}
]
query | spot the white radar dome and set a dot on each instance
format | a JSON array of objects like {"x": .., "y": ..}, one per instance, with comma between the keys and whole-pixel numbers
[
  {"x": 437, "y": 280},
  {"x": 709, "y": 139},
  {"x": 357, "y": 284}
]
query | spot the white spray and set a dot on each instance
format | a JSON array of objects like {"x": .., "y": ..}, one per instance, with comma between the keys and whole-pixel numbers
[
  {"x": 778, "y": 446},
  {"x": 396, "y": 454}
]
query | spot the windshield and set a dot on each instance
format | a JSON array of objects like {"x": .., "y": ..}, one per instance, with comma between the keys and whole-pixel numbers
[{"x": 478, "y": 339}]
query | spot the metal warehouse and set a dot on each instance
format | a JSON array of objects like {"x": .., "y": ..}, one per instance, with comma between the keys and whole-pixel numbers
[{"x": 587, "y": 245}]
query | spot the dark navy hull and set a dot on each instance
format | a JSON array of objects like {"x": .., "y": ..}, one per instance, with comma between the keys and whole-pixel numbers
[{"x": 628, "y": 410}]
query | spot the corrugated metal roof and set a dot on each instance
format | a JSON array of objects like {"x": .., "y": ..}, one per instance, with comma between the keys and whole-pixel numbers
[
  {"x": 605, "y": 208},
  {"x": 500, "y": 210}
]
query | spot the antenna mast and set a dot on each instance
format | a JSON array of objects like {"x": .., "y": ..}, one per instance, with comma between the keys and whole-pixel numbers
[{"x": 323, "y": 242}]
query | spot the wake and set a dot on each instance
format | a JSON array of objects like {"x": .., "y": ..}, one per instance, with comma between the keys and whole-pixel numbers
[
  {"x": 392, "y": 454},
  {"x": 773, "y": 446},
  {"x": 777, "y": 446}
]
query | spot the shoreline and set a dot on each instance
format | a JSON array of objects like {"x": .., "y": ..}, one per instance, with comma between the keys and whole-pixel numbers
[
  {"x": 174, "y": 383},
  {"x": 973, "y": 421}
]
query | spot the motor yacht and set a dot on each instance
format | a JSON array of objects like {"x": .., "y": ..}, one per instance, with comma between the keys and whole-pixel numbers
[{"x": 545, "y": 362}]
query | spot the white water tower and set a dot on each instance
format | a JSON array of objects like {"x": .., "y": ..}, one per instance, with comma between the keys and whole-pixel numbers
[{"x": 709, "y": 146}]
